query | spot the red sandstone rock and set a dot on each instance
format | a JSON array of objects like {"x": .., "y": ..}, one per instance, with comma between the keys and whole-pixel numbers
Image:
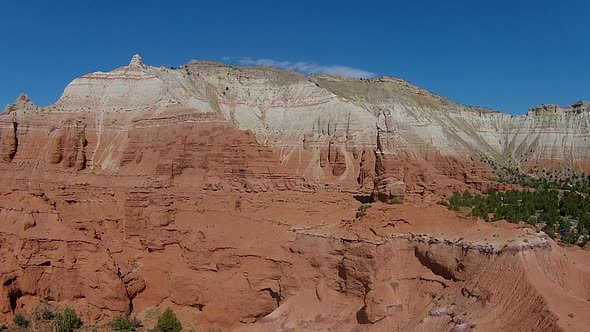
[
  {"x": 114, "y": 212},
  {"x": 381, "y": 302}
]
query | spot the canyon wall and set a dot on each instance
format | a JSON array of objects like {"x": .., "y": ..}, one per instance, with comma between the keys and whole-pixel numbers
[
  {"x": 324, "y": 127},
  {"x": 231, "y": 194}
]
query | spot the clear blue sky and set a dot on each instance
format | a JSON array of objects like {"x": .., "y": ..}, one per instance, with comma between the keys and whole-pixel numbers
[{"x": 508, "y": 55}]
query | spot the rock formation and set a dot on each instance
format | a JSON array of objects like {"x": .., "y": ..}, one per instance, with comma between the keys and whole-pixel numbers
[{"x": 229, "y": 194}]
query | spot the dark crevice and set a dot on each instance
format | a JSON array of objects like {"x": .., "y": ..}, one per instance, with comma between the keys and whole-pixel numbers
[
  {"x": 13, "y": 152},
  {"x": 274, "y": 295},
  {"x": 13, "y": 296},
  {"x": 342, "y": 271},
  {"x": 364, "y": 199},
  {"x": 361, "y": 316},
  {"x": 9, "y": 281}
]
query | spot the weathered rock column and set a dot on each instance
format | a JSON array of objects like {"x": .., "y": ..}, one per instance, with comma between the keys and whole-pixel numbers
[{"x": 387, "y": 185}]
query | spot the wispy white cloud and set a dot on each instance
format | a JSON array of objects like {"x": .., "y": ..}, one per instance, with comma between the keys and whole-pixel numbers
[{"x": 309, "y": 68}]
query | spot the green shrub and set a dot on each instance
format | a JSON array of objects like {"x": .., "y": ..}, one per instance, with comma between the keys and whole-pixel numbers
[
  {"x": 47, "y": 315},
  {"x": 167, "y": 322},
  {"x": 361, "y": 211},
  {"x": 395, "y": 200},
  {"x": 124, "y": 324},
  {"x": 364, "y": 207},
  {"x": 67, "y": 321},
  {"x": 43, "y": 312},
  {"x": 20, "y": 320},
  {"x": 532, "y": 220}
]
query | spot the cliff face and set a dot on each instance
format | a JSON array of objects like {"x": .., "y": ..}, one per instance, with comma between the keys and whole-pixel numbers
[
  {"x": 230, "y": 194},
  {"x": 322, "y": 125}
]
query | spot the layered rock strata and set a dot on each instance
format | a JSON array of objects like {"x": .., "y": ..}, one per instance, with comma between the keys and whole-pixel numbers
[{"x": 230, "y": 195}]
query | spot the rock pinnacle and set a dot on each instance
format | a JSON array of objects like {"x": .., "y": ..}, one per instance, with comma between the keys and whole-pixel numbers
[{"x": 136, "y": 61}]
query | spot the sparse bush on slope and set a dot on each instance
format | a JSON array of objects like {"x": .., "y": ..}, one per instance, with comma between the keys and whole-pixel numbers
[
  {"x": 67, "y": 321},
  {"x": 124, "y": 324},
  {"x": 20, "y": 320},
  {"x": 167, "y": 322}
]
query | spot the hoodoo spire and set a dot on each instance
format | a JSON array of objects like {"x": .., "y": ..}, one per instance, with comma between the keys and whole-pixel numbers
[{"x": 136, "y": 61}]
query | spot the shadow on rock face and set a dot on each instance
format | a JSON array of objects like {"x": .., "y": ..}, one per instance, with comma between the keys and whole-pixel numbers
[
  {"x": 364, "y": 199},
  {"x": 361, "y": 316},
  {"x": 434, "y": 264},
  {"x": 13, "y": 297}
]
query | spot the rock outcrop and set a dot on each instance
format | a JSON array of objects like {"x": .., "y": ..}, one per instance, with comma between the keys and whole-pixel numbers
[
  {"x": 8, "y": 142},
  {"x": 68, "y": 145},
  {"x": 336, "y": 116},
  {"x": 389, "y": 182},
  {"x": 229, "y": 195}
]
